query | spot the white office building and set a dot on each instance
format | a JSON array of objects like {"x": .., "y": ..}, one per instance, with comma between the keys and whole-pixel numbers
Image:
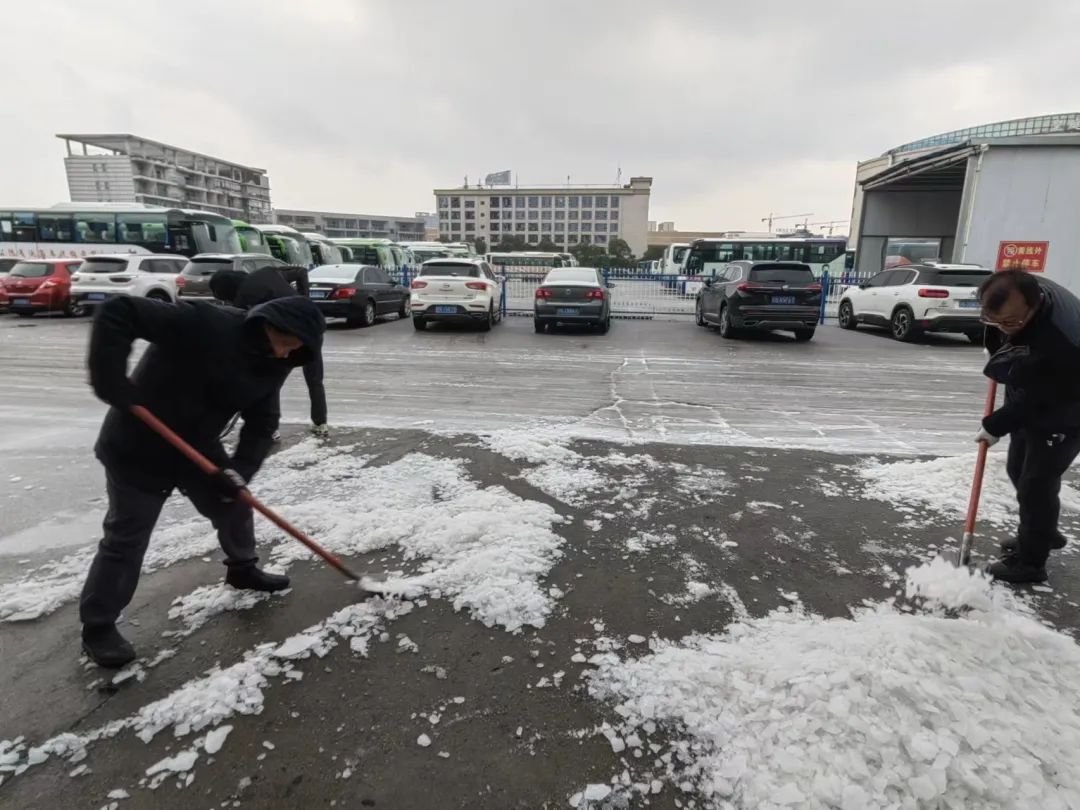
[
  {"x": 567, "y": 215},
  {"x": 117, "y": 167}
]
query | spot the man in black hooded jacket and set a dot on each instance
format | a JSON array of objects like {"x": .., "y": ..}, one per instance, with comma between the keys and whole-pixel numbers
[
  {"x": 204, "y": 364},
  {"x": 247, "y": 290},
  {"x": 1034, "y": 340}
]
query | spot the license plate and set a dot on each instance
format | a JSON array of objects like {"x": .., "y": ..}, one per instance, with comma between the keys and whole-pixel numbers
[
  {"x": 95, "y": 296},
  {"x": 783, "y": 299},
  {"x": 20, "y": 302},
  {"x": 318, "y": 293},
  {"x": 566, "y": 311},
  {"x": 446, "y": 310},
  {"x": 973, "y": 304}
]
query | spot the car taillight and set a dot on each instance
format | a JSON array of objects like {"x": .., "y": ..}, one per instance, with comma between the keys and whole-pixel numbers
[
  {"x": 928, "y": 293},
  {"x": 418, "y": 284},
  {"x": 343, "y": 292},
  {"x": 476, "y": 285},
  {"x": 595, "y": 295},
  {"x": 748, "y": 287},
  {"x": 542, "y": 293},
  {"x": 180, "y": 281},
  {"x": 814, "y": 287}
]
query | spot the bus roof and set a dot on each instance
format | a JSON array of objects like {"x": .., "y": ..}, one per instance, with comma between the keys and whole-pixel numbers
[
  {"x": 280, "y": 230},
  {"x": 117, "y": 208},
  {"x": 537, "y": 253},
  {"x": 315, "y": 237},
  {"x": 360, "y": 242},
  {"x": 796, "y": 239}
]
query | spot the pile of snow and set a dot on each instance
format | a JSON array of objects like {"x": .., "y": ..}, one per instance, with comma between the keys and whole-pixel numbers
[
  {"x": 572, "y": 484},
  {"x": 534, "y": 446},
  {"x": 885, "y": 709},
  {"x": 943, "y": 486},
  {"x": 204, "y": 603}
]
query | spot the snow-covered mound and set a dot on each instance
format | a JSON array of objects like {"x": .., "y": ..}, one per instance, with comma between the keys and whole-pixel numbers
[{"x": 883, "y": 710}]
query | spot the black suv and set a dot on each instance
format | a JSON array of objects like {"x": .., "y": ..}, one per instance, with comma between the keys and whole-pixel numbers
[{"x": 762, "y": 296}]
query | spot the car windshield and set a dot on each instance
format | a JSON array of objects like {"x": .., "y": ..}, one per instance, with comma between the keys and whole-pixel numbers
[
  {"x": 450, "y": 269},
  {"x": 332, "y": 272},
  {"x": 207, "y": 267},
  {"x": 93, "y": 265},
  {"x": 31, "y": 270},
  {"x": 571, "y": 274},
  {"x": 953, "y": 278},
  {"x": 782, "y": 275}
]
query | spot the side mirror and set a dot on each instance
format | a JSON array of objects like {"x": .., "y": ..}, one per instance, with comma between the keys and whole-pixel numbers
[{"x": 864, "y": 286}]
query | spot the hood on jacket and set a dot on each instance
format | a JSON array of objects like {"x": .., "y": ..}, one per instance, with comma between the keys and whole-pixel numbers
[{"x": 297, "y": 316}]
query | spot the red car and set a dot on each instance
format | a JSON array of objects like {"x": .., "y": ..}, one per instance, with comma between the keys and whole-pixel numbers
[{"x": 40, "y": 285}]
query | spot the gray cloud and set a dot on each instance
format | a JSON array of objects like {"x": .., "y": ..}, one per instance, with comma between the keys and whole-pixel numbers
[{"x": 734, "y": 108}]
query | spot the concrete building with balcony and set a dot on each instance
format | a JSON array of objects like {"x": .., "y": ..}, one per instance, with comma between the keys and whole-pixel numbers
[
  {"x": 567, "y": 215},
  {"x": 118, "y": 167},
  {"x": 353, "y": 226}
]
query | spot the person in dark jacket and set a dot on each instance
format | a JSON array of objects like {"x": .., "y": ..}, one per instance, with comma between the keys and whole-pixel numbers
[
  {"x": 1034, "y": 340},
  {"x": 204, "y": 364},
  {"x": 246, "y": 290}
]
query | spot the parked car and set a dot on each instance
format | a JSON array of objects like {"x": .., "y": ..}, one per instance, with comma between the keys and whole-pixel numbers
[
  {"x": 456, "y": 290},
  {"x": 5, "y": 267},
  {"x": 916, "y": 299},
  {"x": 194, "y": 281},
  {"x": 357, "y": 293},
  {"x": 761, "y": 296},
  {"x": 100, "y": 278},
  {"x": 572, "y": 295},
  {"x": 40, "y": 285}
]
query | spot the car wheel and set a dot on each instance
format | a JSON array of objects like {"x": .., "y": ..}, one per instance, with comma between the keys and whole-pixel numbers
[
  {"x": 846, "y": 316},
  {"x": 487, "y": 323},
  {"x": 539, "y": 326},
  {"x": 803, "y": 335},
  {"x": 366, "y": 318},
  {"x": 727, "y": 331},
  {"x": 403, "y": 310},
  {"x": 699, "y": 314},
  {"x": 73, "y": 309},
  {"x": 158, "y": 295},
  {"x": 903, "y": 324},
  {"x": 604, "y": 325},
  {"x": 419, "y": 324}
]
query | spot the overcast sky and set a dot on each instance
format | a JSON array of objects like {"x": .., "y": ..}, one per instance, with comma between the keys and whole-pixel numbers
[{"x": 734, "y": 108}]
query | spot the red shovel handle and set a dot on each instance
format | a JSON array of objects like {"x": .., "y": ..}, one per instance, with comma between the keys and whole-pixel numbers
[
  {"x": 208, "y": 467},
  {"x": 980, "y": 464}
]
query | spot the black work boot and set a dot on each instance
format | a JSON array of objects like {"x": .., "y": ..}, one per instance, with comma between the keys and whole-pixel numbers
[
  {"x": 1015, "y": 569},
  {"x": 1012, "y": 545},
  {"x": 250, "y": 578},
  {"x": 106, "y": 647}
]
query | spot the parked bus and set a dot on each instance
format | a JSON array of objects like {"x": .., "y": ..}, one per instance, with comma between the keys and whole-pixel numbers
[
  {"x": 251, "y": 238},
  {"x": 375, "y": 252},
  {"x": 85, "y": 229},
  {"x": 531, "y": 262},
  {"x": 821, "y": 253},
  {"x": 671, "y": 262},
  {"x": 288, "y": 245},
  {"x": 422, "y": 251},
  {"x": 323, "y": 251}
]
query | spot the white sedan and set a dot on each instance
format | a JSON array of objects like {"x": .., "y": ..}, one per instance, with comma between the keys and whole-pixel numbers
[{"x": 456, "y": 291}]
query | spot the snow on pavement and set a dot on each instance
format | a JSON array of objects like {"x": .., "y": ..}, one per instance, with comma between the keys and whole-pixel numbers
[{"x": 883, "y": 709}]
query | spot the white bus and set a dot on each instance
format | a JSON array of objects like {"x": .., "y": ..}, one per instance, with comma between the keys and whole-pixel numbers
[
  {"x": 525, "y": 262},
  {"x": 672, "y": 261},
  {"x": 323, "y": 251},
  {"x": 86, "y": 229},
  {"x": 705, "y": 255},
  {"x": 288, "y": 245}
]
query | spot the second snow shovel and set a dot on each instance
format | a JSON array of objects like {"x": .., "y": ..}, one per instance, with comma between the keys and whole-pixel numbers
[
  {"x": 964, "y": 557},
  {"x": 208, "y": 467}
]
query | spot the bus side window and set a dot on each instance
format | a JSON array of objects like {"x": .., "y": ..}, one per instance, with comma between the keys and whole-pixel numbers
[
  {"x": 25, "y": 226},
  {"x": 95, "y": 228}
]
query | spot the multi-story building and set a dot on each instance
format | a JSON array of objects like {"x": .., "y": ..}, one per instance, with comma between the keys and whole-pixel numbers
[
  {"x": 127, "y": 168},
  {"x": 353, "y": 226},
  {"x": 567, "y": 215}
]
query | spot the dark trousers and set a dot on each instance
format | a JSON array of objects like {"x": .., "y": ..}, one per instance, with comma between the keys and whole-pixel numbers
[
  {"x": 313, "y": 376},
  {"x": 1037, "y": 460},
  {"x": 110, "y": 585}
]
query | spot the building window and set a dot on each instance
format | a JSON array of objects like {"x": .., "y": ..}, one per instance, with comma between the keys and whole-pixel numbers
[
  {"x": 519, "y": 227},
  {"x": 572, "y": 202},
  {"x": 572, "y": 239},
  {"x": 614, "y": 214},
  {"x": 470, "y": 203},
  {"x": 545, "y": 215},
  {"x": 560, "y": 227},
  {"x": 534, "y": 215},
  {"x": 545, "y": 227},
  {"x": 601, "y": 215},
  {"x": 444, "y": 202},
  {"x": 601, "y": 239},
  {"x": 470, "y": 227},
  {"x": 495, "y": 214},
  {"x": 519, "y": 214},
  {"x": 560, "y": 215},
  {"x": 586, "y": 202},
  {"x": 600, "y": 202},
  {"x": 534, "y": 227},
  {"x": 455, "y": 215},
  {"x": 560, "y": 202},
  {"x": 494, "y": 202},
  {"x": 586, "y": 215},
  {"x": 600, "y": 227},
  {"x": 534, "y": 202},
  {"x": 507, "y": 202},
  {"x": 545, "y": 202},
  {"x": 573, "y": 226},
  {"x": 519, "y": 202},
  {"x": 614, "y": 202},
  {"x": 455, "y": 202},
  {"x": 470, "y": 215}
]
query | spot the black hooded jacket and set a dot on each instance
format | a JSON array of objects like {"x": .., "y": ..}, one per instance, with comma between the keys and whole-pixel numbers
[
  {"x": 1040, "y": 367},
  {"x": 205, "y": 363}
]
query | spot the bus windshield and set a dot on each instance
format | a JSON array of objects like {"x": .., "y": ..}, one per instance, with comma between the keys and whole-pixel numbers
[{"x": 251, "y": 240}]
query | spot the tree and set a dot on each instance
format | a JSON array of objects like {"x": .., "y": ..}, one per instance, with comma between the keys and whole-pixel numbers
[
  {"x": 619, "y": 250},
  {"x": 511, "y": 244},
  {"x": 546, "y": 245},
  {"x": 653, "y": 252},
  {"x": 444, "y": 239},
  {"x": 588, "y": 254},
  {"x": 481, "y": 246}
]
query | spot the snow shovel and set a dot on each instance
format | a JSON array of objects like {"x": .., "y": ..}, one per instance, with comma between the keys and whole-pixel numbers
[
  {"x": 964, "y": 557},
  {"x": 208, "y": 467}
]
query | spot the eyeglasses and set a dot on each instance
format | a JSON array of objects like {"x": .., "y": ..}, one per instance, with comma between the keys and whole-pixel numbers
[{"x": 1008, "y": 323}]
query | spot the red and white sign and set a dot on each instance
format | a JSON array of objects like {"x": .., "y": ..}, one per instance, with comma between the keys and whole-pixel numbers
[{"x": 1030, "y": 256}]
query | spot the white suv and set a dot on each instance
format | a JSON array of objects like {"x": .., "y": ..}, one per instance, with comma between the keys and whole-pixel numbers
[
  {"x": 142, "y": 275},
  {"x": 916, "y": 299},
  {"x": 456, "y": 290}
]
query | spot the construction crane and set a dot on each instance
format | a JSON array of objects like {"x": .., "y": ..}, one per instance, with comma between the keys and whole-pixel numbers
[
  {"x": 773, "y": 216},
  {"x": 831, "y": 224}
]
